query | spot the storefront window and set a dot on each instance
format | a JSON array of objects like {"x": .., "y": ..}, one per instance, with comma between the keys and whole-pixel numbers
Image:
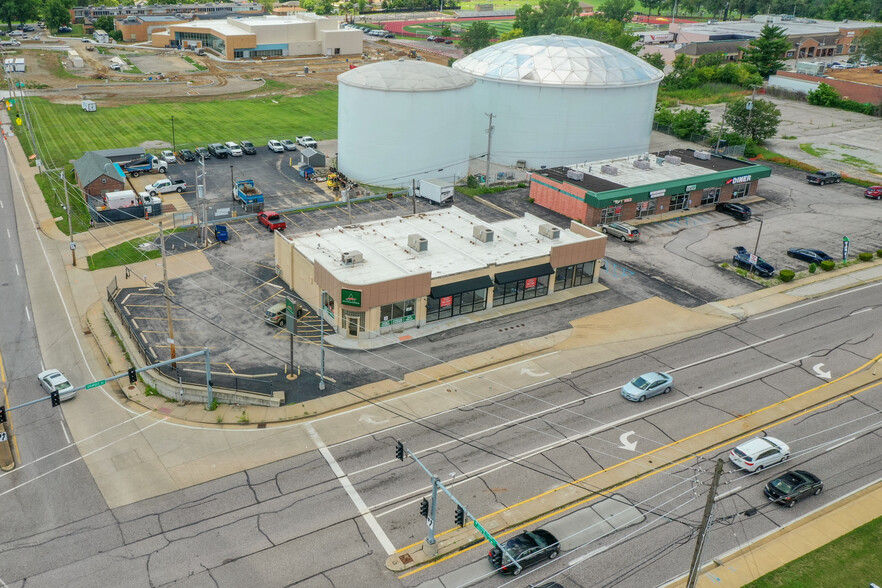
[
  {"x": 328, "y": 303},
  {"x": 611, "y": 214},
  {"x": 353, "y": 322},
  {"x": 740, "y": 191},
  {"x": 520, "y": 290},
  {"x": 679, "y": 201},
  {"x": 710, "y": 195},
  {"x": 573, "y": 275},
  {"x": 645, "y": 209},
  {"x": 455, "y": 304},
  {"x": 397, "y": 313}
]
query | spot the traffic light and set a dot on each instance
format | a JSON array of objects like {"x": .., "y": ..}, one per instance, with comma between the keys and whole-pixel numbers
[
  {"x": 459, "y": 516},
  {"x": 424, "y": 506},
  {"x": 399, "y": 450},
  {"x": 495, "y": 558},
  {"x": 133, "y": 376},
  {"x": 56, "y": 399},
  {"x": 3, "y": 417}
]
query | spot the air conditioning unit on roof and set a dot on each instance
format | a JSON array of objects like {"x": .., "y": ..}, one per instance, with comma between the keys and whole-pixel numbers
[
  {"x": 483, "y": 234},
  {"x": 418, "y": 243},
  {"x": 351, "y": 257},
  {"x": 549, "y": 231}
]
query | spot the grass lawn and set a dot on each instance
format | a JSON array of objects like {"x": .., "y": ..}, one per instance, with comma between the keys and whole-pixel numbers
[
  {"x": 61, "y": 126},
  {"x": 53, "y": 192},
  {"x": 123, "y": 254},
  {"x": 852, "y": 560}
]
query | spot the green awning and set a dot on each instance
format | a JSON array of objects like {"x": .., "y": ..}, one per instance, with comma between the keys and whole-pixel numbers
[
  {"x": 526, "y": 273},
  {"x": 460, "y": 287}
]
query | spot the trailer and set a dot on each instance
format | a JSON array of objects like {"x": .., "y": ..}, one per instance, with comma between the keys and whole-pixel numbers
[
  {"x": 125, "y": 199},
  {"x": 436, "y": 191},
  {"x": 148, "y": 164},
  {"x": 248, "y": 195}
]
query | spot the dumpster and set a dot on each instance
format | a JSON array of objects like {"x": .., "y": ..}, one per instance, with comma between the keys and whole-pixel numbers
[{"x": 220, "y": 233}]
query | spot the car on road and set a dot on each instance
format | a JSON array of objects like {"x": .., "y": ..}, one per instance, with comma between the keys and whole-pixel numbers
[
  {"x": 733, "y": 209},
  {"x": 54, "y": 381},
  {"x": 248, "y": 148},
  {"x": 646, "y": 386},
  {"x": 203, "y": 152},
  {"x": 168, "y": 156},
  {"x": 761, "y": 267},
  {"x": 874, "y": 192},
  {"x": 792, "y": 487},
  {"x": 288, "y": 145},
  {"x": 234, "y": 148},
  {"x": 809, "y": 255},
  {"x": 759, "y": 453},
  {"x": 274, "y": 145},
  {"x": 187, "y": 155},
  {"x": 528, "y": 548},
  {"x": 623, "y": 231}
]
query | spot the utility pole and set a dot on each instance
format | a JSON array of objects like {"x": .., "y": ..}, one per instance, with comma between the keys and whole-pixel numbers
[
  {"x": 171, "y": 329},
  {"x": 413, "y": 193},
  {"x": 750, "y": 106},
  {"x": 705, "y": 523},
  {"x": 322, "y": 337},
  {"x": 73, "y": 244},
  {"x": 720, "y": 133},
  {"x": 489, "y": 142}
]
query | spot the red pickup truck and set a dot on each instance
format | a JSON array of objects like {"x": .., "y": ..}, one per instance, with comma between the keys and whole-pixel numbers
[{"x": 271, "y": 220}]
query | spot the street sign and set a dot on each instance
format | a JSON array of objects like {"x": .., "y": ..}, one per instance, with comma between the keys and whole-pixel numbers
[
  {"x": 429, "y": 522},
  {"x": 753, "y": 259},
  {"x": 486, "y": 534},
  {"x": 95, "y": 384},
  {"x": 844, "y": 249},
  {"x": 2, "y": 436},
  {"x": 291, "y": 322}
]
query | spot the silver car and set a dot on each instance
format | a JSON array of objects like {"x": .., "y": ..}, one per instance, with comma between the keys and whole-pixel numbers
[
  {"x": 54, "y": 381},
  {"x": 646, "y": 386},
  {"x": 623, "y": 231}
]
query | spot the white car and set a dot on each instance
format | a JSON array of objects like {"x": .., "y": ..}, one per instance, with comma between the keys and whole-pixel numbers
[
  {"x": 54, "y": 381},
  {"x": 274, "y": 145},
  {"x": 289, "y": 145},
  {"x": 168, "y": 156},
  {"x": 758, "y": 453},
  {"x": 235, "y": 149}
]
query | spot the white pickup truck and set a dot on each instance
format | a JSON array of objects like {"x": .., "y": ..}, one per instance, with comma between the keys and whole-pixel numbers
[
  {"x": 165, "y": 186},
  {"x": 307, "y": 141}
]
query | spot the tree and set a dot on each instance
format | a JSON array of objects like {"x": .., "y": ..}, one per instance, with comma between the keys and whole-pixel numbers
[
  {"x": 512, "y": 34},
  {"x": 617, "y": 10},
  {"x": 104, "y": 23},
  {"x": 477, "y": 36},
  {"x": 766, "y": 51},
  {"x": 824, "y": 95},
  {"x": 550, "y": 18},
  {"x": 758, "y": 122},
  {"x": 56, "y": 14},
  {"x": 871, "y": 43},
  {"x": 650, "y": 4},
  {"x": 611, "y": 32},
  {"x": 655, "y": 60},
  {"x": 446, "y": 32}
]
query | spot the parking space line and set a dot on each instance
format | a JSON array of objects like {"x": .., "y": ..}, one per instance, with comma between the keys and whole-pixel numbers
[
  {"x": 232, "y": 228},
  {"x": 266, "y": 283},
  {"x": 160, "y": 318}
]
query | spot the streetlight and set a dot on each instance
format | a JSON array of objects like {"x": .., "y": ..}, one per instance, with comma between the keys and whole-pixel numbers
[
  {"x": 756, "y": 247},
  {"x": 174, "y": 145}
]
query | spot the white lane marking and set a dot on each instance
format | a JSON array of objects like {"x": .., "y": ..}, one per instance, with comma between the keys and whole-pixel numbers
[
  {"x": 862, "y": 310},
  {"x": 18, "y": 273},
  {"x": 803, "y": 305},
  {"x": 28, "y": 312},
  {"x": 8, "y": 234},
  {"x": 840, "y": 444},
  {"x": 64, "y": 430},
  {"x": 350, "y": 490},
  {"x": 727, "y": 493}
]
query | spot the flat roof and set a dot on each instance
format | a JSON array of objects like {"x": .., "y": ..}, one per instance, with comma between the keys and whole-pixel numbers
[
  {"x": 451, "y": 247},
  {"x": 629, "y": 176},
  {"x": 798, "y": 26},
  {"x": 218, "y": 26}
]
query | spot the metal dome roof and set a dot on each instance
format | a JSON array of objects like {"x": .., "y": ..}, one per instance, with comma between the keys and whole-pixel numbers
[
  {"x": 554, "y": 60},
  {"x": 405, "y": 76}
]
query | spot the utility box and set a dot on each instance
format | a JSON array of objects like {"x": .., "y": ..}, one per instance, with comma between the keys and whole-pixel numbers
[
  {"x": 437, "y": 191},
  {"x": 89, "y": 105}
]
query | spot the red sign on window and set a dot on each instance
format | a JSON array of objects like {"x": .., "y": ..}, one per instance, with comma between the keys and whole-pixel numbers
[
  {"x": 530, "y": 283},
  {"x": 447, "y": 302}
]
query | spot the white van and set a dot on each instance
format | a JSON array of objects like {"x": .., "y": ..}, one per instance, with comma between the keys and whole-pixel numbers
[
  {"x": 17, "y": 34},
  {"x": 11, "y": 43}
]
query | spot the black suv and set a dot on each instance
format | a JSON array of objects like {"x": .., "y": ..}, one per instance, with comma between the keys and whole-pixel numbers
[
  {"x": 739, "y": 211},
  {"x": 248, "y": 148},
  {"x": 219, "y": 150}
]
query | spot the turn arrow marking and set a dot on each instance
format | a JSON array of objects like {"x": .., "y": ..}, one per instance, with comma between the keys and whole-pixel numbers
[
  {"x": 529, "y": 372},
  {"x": 818, "y": 371},
  {"x": 625, "y": 444}
]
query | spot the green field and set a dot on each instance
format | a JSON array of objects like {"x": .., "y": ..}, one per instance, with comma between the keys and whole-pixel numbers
[
  {"x": 65, "y": 131},
  {"x": 501, "y": 26}
]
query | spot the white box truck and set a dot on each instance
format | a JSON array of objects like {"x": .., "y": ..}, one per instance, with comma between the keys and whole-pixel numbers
[
  {"x": 437, "y": 191},
  {"x": 126, "y": 198}
]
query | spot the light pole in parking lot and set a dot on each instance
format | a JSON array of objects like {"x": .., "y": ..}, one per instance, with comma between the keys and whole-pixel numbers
[
  {"x": 756, "y": 247},
  {"x": 174, "y": 145}
]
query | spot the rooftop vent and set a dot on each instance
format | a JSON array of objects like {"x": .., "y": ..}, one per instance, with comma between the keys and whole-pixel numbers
[
  {"x": 549, "y": 231},
  {"x": 483, "y": 234},
  {"x": 610, "y": 170},
  {"x": 418, "y": 243},
  {"x": 702, "y": 155},
  {"x": 351, "y": 257}
]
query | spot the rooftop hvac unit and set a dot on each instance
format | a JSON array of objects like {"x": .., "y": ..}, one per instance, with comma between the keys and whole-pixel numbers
[
  {"x": 522, "y": 164},
  {"x": 673, "y": 159},
  {"x": 702, "y": 155},
  {"x": 659, "y": 160},
  {"x": 549, "y": 231},
  {"x": 418, "y": 243},
  {"x": 640, "y": 164},
  {"x": 482, "y": 234},
  {"x": 574, "y": 174},
  {"x": 352, "y": 257},
  {"x": 610, "y": 170}
]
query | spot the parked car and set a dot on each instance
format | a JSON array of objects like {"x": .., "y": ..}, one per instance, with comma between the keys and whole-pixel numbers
[
  {"x": 65, "y": 29},
  {"x": 234, "y": 148},
  {"x": 874, "y": 192},
  {"x": 758, "y": 453},
  {"x": 54, "y": 381},
  {"x": 203, "y": 152},
  {"x": 248, "y": 148},
  {"x": 809, "y": 255},
  {"x": 448, "y": 42},
  {"x": 168, "y": 156},
  {"x": 187, "y": 155},
  {"x": 646, "y": 386},
  {"x": 430, "y": 38},
  {"x": 288, "y": 145},
  {"x": 623, "y": 231},
  {"x": 218, "y": 150},
  {"x": 739, "y": 211},
  {"x": 388, "y": 36},
  {"x": 439, "y": 39},
  {"x": 793, "y": 486},
  {"x": 272, "y": 220},
  {"x": 274, "y": 145},
  {"x": 761, "y": 268},
  {"x": 528, "y": 548}
]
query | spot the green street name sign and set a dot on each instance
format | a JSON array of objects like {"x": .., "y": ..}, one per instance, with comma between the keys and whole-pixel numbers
[
  {"x": 486, "y": 534},
  {"x": 350, "y": 297},
  {"x": 95, "y": 384}
]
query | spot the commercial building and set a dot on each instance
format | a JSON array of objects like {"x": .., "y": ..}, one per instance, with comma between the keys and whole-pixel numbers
[
  {"x": 401, "y": 273},
  {"x": 643, "y": 185},
  {"x": 98, "y": 175},
  {"x": 138, "y": 29},
  {"x": 267, "y": 36},
  {"x": 83, "y": 13}
]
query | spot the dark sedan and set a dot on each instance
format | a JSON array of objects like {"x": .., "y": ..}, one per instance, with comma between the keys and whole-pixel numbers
[
  {"x": 528, "y": 548},
  {"x": 792, "y": 486},
  {"x": 187, "y": 155},
  {"x": 739, "y": 211},
  {"x": 761, "y": 267},
  {"x": 809, "y": 255}
]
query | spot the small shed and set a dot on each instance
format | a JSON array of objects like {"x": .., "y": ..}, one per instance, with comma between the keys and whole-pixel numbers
[
  {"x": 76, "y": 62},
  {"x": 9, "y": 65},
  {"x": 313, "y": 157},
  {"x": 89, "y": 106},
  {"x": 19, "y": 64}
]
